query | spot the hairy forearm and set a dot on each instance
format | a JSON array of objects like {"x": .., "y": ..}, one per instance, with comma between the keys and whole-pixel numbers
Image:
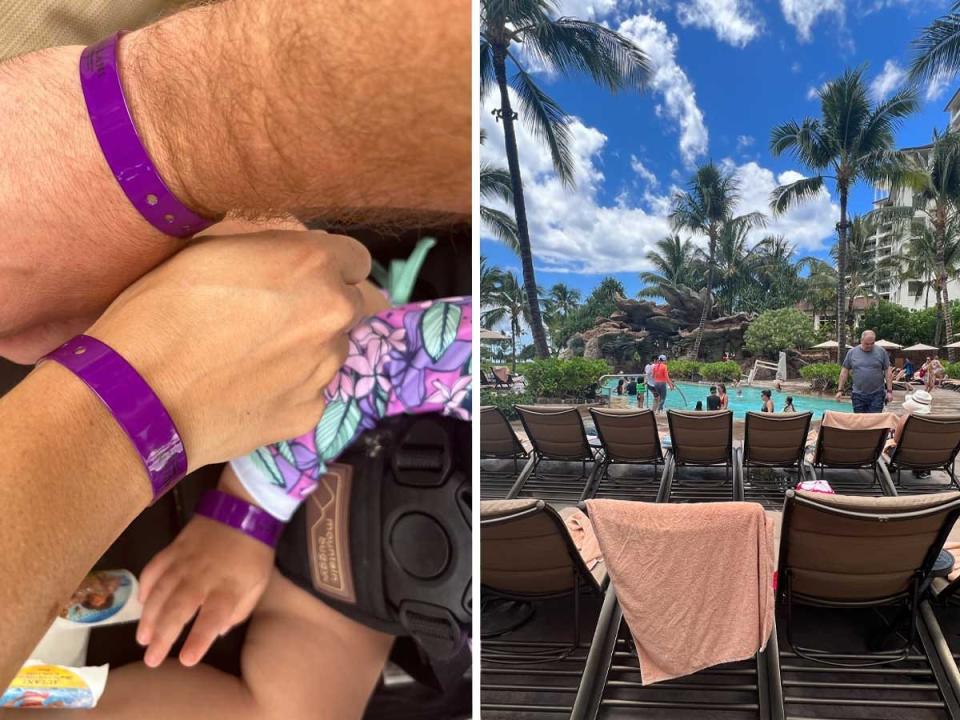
[
  {"x": 65, "y": 459},
  {"x": 335, "y": 109}
]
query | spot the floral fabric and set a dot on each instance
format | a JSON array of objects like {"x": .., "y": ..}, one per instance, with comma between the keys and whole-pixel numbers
[{"x": 406, "y": 360}]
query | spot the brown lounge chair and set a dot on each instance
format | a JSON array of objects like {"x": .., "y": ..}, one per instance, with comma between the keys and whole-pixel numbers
[
  {"x": 527, "y": 554},
  {"x": 498, "y": 441},
  {"x": 843, "y": 449},
  {"x": 557, "y": 434},
  {"x": 927, "y": 443},
  {"x": 628, "y": 437},
  {"x": 846, "y": 551},
  {"x": 700, "y": 439},
  {"x": 774, "y": 440},
  {"x": 485, "y": 381}
]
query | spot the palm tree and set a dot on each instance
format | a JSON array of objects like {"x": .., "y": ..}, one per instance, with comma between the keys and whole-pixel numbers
[
  {"x": 852, "y": 141},
  {"x": 734, "y": 265},
  {"x": 707, "y": 207},
  {"x": 563, "y": 299},
  {"x": 938, "y": 48},
  {"x": 490, "y": 280},
  {"x": 776, "y": 273},
  {"x": 673, "y": 264},
  {"x": 495, "y": 185},
  {"x": 933, "y": 174},
  {"x": 567, "y": 45},
  {"x": 508, "y": 302},
  {"x": 863, "y": 271}
]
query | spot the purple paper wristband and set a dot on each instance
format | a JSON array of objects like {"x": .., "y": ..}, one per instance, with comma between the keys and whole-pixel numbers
[
  {"x": 240, "y": 515},
  {"x": 122, "y": 148},
  {"x": 134, "y": 406}
]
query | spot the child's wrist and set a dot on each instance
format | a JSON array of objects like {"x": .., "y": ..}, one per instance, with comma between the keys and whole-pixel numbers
[{"x": 240, "y": 515}]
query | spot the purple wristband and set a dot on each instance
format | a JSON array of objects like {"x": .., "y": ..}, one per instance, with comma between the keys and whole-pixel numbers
[
  {"x": 240, "y": 515},
  {"x": 122, "y": 148},
  {"x": 134, "y": 406}
]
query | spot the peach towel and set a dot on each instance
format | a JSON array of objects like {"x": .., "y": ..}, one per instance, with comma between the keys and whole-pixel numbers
[
  {"x": 854, "y": 421},
  {"x": 695, "y": 581},
  {"x": 583, "y": 536}
]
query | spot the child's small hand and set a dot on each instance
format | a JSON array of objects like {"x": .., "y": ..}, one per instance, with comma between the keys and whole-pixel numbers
[{"x": 209, "y": 567}]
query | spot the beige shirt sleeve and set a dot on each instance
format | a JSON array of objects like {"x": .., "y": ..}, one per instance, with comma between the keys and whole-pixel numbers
[{"x": 28, "y": 25}]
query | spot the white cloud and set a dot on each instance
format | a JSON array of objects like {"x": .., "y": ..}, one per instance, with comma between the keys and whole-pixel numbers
[
  {"x": 807, "y": 226},
  {"x": 887, "y": 81},
  {"x": 671, "y": 82},
  {"x": 574, "y": 230},
  {"x": 813, "y": 93},
  {"x": 935, "y": 87},
  {"x": 803, "y": 13},
  {"x": 796, "y": 67},
  {"x": 744, "y": 141},
  {"x": 643, "y": 172},
  {"x": 734, "y": 21}
]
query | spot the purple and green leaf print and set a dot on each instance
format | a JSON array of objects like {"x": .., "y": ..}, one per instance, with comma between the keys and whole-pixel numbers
[{"x": 411, "y": 359}]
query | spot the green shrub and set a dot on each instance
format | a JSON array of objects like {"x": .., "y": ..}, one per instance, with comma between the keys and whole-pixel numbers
[
  {"x": 683, "y": 369},
  {"x": 555, "y": 378},
  {"x": 822, "y": 376},
  {"x": 505, "y": 401},
  {"x": 720, "y": 371},
  {"x": 776, "y": 330},
  {"x": 953, "y": 370}
]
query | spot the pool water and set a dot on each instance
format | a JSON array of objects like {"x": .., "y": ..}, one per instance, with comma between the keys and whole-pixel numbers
[{"x": 750, "y": 399}]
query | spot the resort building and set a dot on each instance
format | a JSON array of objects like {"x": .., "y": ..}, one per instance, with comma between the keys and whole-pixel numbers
[{"x": 892, "y": 239}]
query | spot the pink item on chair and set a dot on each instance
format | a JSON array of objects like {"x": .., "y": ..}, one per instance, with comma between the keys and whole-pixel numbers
[{"x": 695, "y": 581}]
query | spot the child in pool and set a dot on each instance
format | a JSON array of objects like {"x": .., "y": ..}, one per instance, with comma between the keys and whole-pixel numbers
[{"x": 789, "y": 408}]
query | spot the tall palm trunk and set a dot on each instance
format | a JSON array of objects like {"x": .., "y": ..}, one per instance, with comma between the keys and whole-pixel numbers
[
  {"x": 940, "y": 314},
  {"x": 513, "y": 345},
  {"x": 519, "y": 204},
  {"x": 707, "y": 303},
  {"x": 842, "y": 274},
  {"x": 941, "y": 230}
]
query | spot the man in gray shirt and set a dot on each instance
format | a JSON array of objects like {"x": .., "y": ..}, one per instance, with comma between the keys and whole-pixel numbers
[{"x": 869, "y": 366}]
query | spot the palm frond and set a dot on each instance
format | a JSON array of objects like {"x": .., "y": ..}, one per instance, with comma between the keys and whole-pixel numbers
[
  {"x": 937, "y": 49},
  {"x": 487, "y": 76},
  {"x": 547, "y": 122},
  {"x": 495, "y": 183},
  {"x": 571, "y": 45},
  {"x": 503, "y": 227},
  {"x": 786, "y": 196}
]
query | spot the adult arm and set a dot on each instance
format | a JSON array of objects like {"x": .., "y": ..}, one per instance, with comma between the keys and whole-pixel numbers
[
  {"x": 337, "y": 110},
  {"x": 234, "y": 350}
]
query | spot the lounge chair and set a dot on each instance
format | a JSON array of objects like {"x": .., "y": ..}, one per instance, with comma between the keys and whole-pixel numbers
[
  {"x": 527, "y": 554},
  {"x": 773, "y": 440},
  {"x": 485, "y": 382},
  {"x": 926, "y": 443},
  {"x": 700, "y": 439},
  {"x": 628, "y": 437},
  {"x": 845, "y": 449},
  {"x": 498, "y": 441},
  {"x": 557, "y": 434},
  {"x": 502, "y": 377},
  {"x": 854, "y": 552}
]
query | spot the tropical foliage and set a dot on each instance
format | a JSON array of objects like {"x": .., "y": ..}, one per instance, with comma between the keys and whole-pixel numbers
[
  {"x": 563, "y": 379},
  {"x": 776, "y": 330},
  {"x": 568, "y": 46},
  {"x": 851, "y": 141},
  {"x": 822, "y": 376}
]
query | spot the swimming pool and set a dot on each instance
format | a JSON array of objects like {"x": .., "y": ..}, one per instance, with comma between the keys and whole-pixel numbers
[{"x": 750, "y": 399}]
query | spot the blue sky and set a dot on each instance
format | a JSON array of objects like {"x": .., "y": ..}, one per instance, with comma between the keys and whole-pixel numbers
[{"x": 726, "y": 72}]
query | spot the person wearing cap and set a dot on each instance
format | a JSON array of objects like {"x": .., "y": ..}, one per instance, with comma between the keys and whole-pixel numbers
[
  {"x": 661, "y": 380},
  {"x": 917, "y": 403},
  {"x": 869, "y": 367}
]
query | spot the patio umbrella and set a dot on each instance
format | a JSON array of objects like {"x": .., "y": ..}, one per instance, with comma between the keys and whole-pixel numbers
[
  {"x": 920, "y": 347},
  {"x": 492, "y": 335},
  {"x": 828, "y": 345},
  {"x": 953, "y": 345},
  {"x": 886, "y": 344}
]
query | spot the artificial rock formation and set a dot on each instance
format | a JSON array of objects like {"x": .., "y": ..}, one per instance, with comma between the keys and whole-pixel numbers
[{"x": 639, "y": 329}]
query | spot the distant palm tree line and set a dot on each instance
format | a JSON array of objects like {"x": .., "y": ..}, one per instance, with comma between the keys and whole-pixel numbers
[{"x": 851, "y": 141}]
